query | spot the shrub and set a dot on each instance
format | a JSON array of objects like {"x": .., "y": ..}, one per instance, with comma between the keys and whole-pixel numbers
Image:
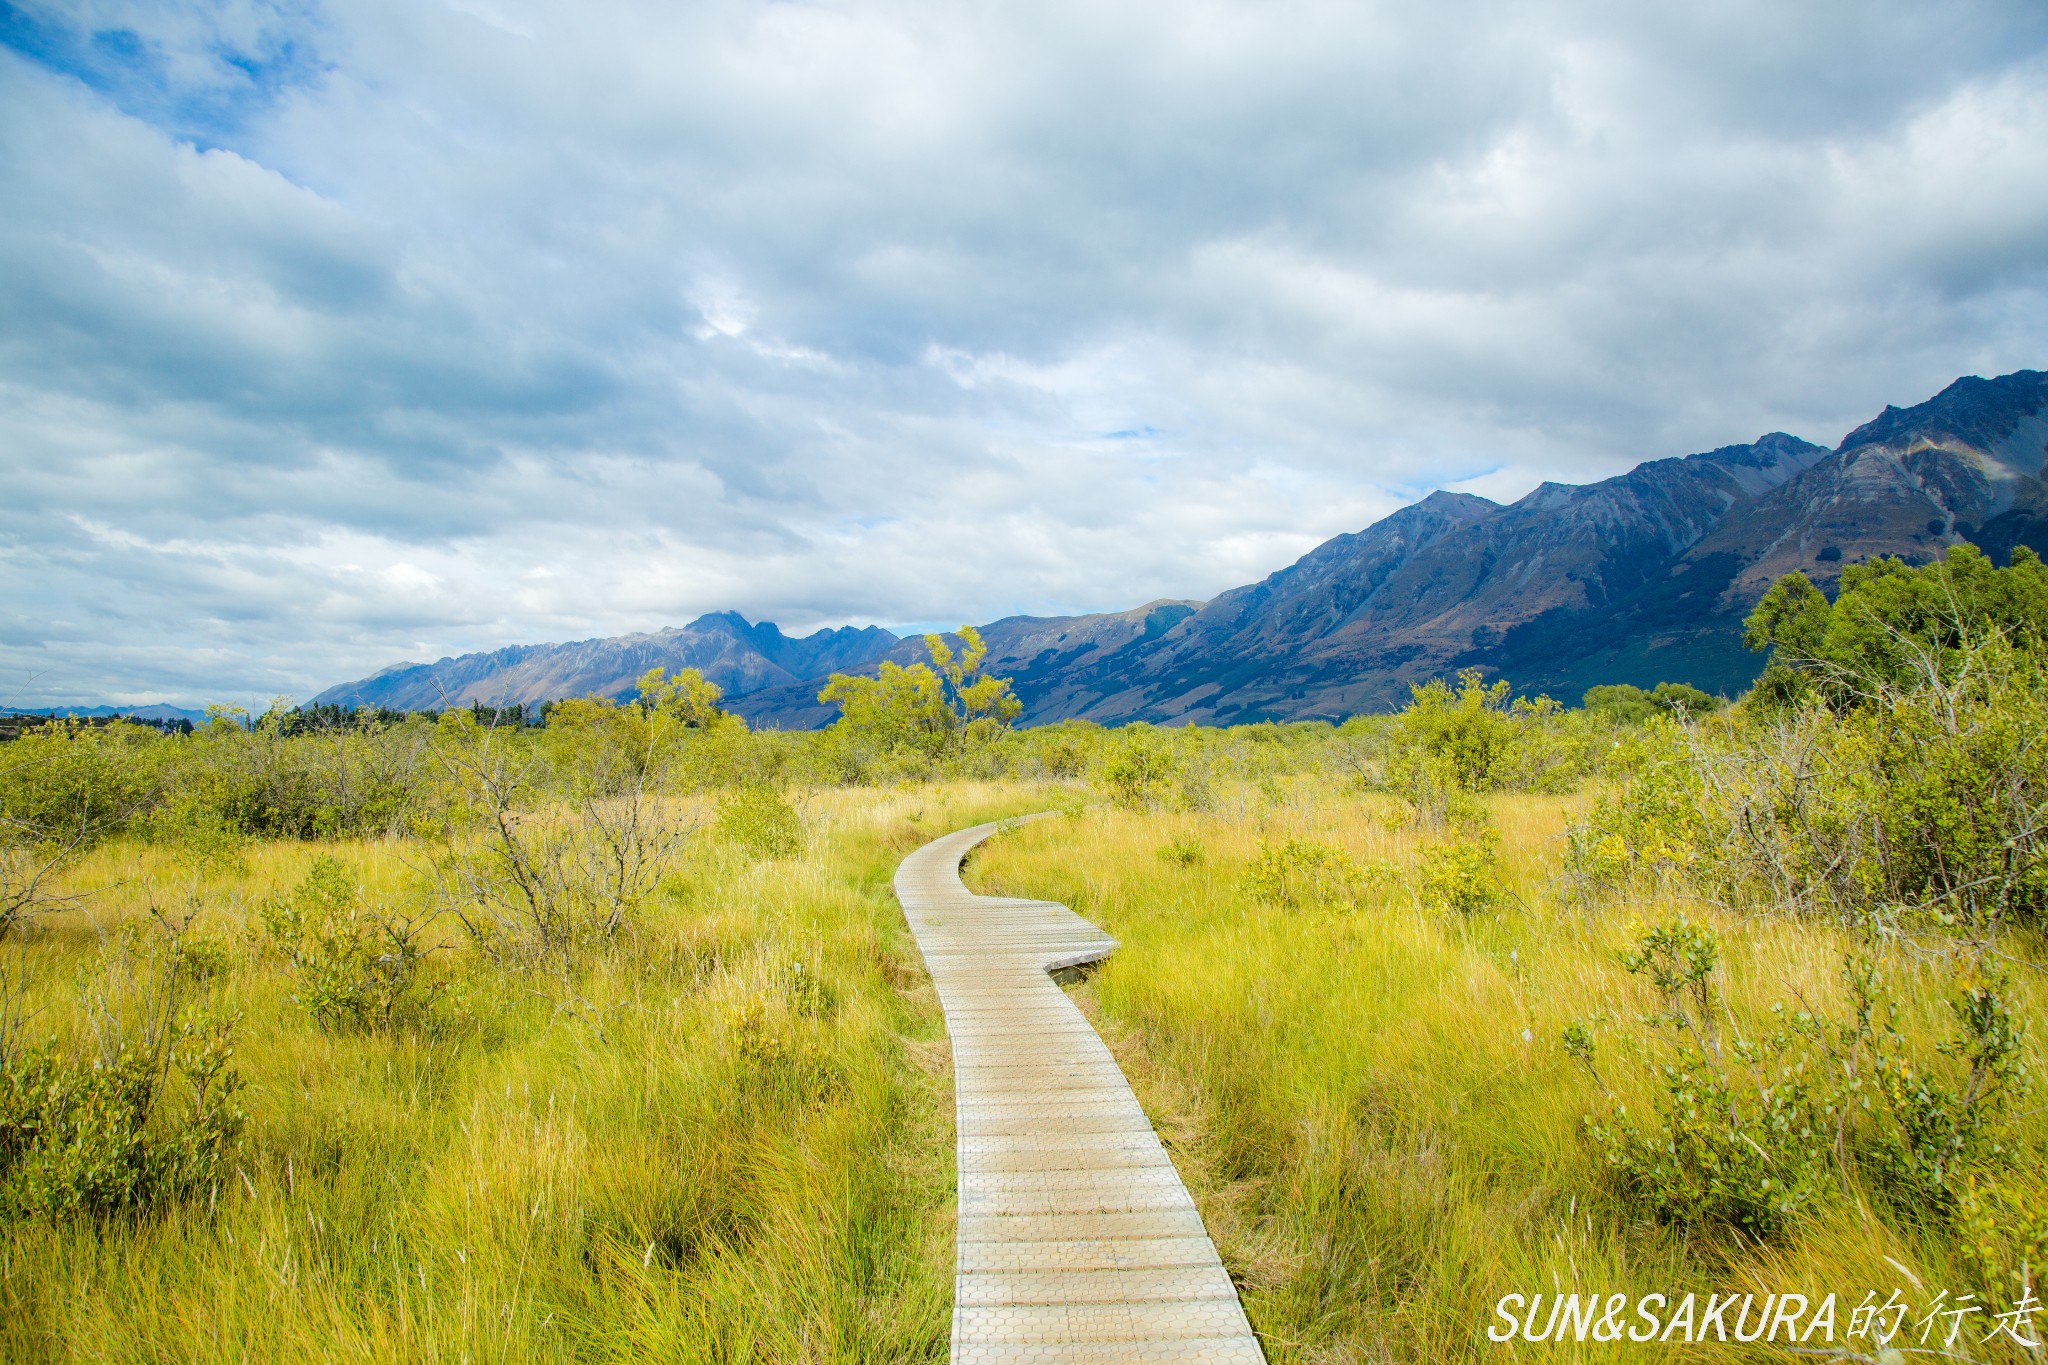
[
  {"x": 1923, "y": 801},
  {"x": 1748, "y": 1130},
  {"x": 1137, "y": 771},
  {"x": 1629, "y": 705},
  {"x": 756, "y": 820},
  {"x": 1717, "y": 1154},
  {"x": 1465, "y": 733},
  {"x": 277, "y": 778},
  {"x": 1183, "y": 850},
  {"x": 535, "y": 883},
  {"x": 67, "y": 783},
  {"x": 1948, "y": 1120},
  {"x": 1305, "y": 874},
  {"x": 148, "y": 1115},
  {"x": 1741, "y": 1136},
  {"x": 357, "y": 967},
  {"x": 924, "y": 712},
  {"x": 27, "y": 880},
  {"x": 1063, "y": 758},
  {"x": 1452, "y": 743},
  {"x": 1662, "y": 821},
  {"x": 1893, "y": 623},
  {"x": 1461, "y": 876}
]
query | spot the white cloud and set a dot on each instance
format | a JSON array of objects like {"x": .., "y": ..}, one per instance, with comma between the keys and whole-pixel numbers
[{"x": 329, "y": 337}]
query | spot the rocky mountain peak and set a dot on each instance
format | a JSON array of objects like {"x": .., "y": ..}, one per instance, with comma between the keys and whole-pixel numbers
[
  {"x": 1974, "y": 412},
  {"x": 1642, "y": 578}
]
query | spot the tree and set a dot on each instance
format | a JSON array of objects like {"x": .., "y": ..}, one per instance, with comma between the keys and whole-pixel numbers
[
  {"x": 1892, "y": 621},
  {"x": 1631, "y": 705},
  {"x": 897, "y": 708},
  {"x": 687, "y": 698},
  {"x": 928, "y": 708},
  {"x": 979, "y": 703}
]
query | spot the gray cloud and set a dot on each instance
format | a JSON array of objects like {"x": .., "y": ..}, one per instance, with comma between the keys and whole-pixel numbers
[{"x": 334, "y": 336}]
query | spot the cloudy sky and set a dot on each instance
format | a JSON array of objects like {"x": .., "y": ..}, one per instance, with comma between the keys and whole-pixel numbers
[{"x": 333, "y": 334}]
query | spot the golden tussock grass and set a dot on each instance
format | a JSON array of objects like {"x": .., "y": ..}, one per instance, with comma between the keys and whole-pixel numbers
[
  {"x": 591, "y": 1168},
  {"x": 1371, "y": 1103}
]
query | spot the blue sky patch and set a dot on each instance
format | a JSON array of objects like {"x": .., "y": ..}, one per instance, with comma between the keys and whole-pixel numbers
[{"x": 209, "y": 96}]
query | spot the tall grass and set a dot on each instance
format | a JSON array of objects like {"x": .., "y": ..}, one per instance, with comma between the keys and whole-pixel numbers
[
  {"x": 674, "y": 1154},
  {"x": 726, "y": 1136},
  {"x": 1371, "y": 1103}
]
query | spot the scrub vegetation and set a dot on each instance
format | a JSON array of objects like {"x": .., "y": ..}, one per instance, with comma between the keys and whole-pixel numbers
[{"x": 348, "y": 1037}]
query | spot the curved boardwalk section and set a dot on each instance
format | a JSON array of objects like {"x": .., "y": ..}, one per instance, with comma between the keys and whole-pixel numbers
[{"x": 1077, "y": 1241}]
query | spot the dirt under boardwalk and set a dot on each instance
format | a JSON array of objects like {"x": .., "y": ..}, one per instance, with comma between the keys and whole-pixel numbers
[{"x": 1077, "y": 1241}]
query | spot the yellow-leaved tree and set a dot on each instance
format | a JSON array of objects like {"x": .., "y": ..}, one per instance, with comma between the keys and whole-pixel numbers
[
  {"x": 688, "y": 698},
  {"x": 928, "y": 709}
]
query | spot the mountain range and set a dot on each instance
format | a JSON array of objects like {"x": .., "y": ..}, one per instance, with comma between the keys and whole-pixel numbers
[{"x": 1642, "y": 578}]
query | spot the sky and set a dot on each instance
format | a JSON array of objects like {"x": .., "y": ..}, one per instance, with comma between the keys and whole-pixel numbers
[{"x": 333, "y": 335}]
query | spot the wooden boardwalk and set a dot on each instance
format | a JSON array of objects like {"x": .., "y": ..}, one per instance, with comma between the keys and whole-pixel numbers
[{"x": 1077, "y": 1242}]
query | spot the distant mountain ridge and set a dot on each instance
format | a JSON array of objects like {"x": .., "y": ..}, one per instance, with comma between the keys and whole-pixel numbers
[
  {"x": 725, "y": 647},
  {"x": 1644, "y": 577},
  {"x": 155, "y": 711}
]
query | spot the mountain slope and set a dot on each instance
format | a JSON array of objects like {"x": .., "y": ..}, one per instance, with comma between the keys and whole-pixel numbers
[
  {"x": 1644, "y": 577},
  {"x": 1037, "y": 653},
  {"x": 738, "y": 656},
  {"x": 1437, "y": 585}
]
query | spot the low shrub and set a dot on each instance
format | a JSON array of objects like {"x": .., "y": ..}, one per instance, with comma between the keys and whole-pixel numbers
[
  {"x": 1306, "y": 874},
  {"x": 1138, "y": 770},
  {"x": 1461, "y": 876},
  {"x": 757, "y": 820},
  {"x": 356, "y": 967},
  {"x": 145, "y": 1113},
  {"x": 1740, "y": 1136},
  {"x": 1754, "y": 1129}
]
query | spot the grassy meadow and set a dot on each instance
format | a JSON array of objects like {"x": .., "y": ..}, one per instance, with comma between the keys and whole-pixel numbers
[
  {"x": 678, "y": 1157},
  {"x": 465, "y": 1039},
  {"x": 1370, "y": 1102}
]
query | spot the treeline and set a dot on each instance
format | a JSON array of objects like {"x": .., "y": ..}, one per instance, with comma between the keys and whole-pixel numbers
[
  {"x": 316, "y": 774},
  {"x": 1859, "y": 672}
]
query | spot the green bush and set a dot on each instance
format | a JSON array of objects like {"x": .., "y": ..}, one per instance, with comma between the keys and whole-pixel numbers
[
  {"x": 1741, "y": 1135},
  {"x": 1306, "y": 874},
  {"x": 71, "y": 783},
  {"x": 1452, "y": 743},
  {"x": 1924, "y": 802},
  {"x": 915, "y": 719},
  {"x": 1628, "y": 705},
  {"x": 272, "y": 779},
  {"x": 144, "y": 1114},
  {"x": 1464, "y": 732},
  {"x": 758, "y": 821},
  {"x": 1893, "y": 623},
  {"x": 1754, "y": 1129},
  {"x": 1461, "y": 876},
  {"x": 1949, "y": 1117},
  {"x": 1139, "y": 768},
  {"x": 356, "y": 968},
  {"x": 107, "y": 1136}
]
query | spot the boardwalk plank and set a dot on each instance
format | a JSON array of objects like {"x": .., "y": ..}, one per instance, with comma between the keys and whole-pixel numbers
[{"x": 1077, "y": 1242}]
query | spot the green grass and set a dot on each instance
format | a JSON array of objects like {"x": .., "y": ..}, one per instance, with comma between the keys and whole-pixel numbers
[
  {"x": 667, "y": 1158},
  {"x": 1371, "y": 1104},
  {"x": 606, "y": 1171}
]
